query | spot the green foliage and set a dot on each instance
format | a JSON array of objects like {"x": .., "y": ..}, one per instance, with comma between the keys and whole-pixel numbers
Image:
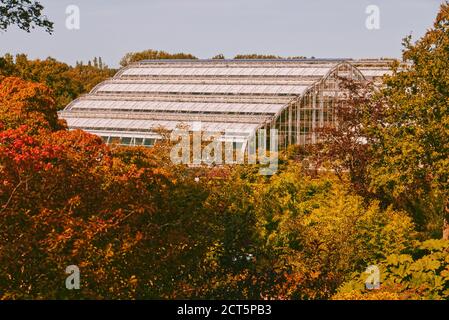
[
  {"x": 141, "y": 227},
  {"x": 219, "y": 56},
  {"x": 303, "y": 242},
  {"x": 25, "y": 14},
  {"x": 409, "y": 132},
  {"x": 394, "y": 141},
  {"x": 256, "y": 56},
  {"x": 421, "y": 274},
  {"x": 265, "y": 56},
  {"x": 152, "y": 55}
]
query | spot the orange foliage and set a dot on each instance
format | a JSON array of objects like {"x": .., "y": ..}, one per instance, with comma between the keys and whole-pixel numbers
[{"x": 23, "y": 102}]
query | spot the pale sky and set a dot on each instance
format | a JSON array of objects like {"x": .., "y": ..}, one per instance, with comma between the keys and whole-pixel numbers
[{"x": 204, "y": 28}]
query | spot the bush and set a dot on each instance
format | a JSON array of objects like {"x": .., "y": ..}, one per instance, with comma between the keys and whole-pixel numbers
[{"x": 422, "y": 274}]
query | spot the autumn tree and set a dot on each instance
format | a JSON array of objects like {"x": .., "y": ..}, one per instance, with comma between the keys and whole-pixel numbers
[
  {"x": 302, "y": 243},
  {"x": 25, "y": 14},
  {"x": 393, "y": 142},
  {"x": 344, "y": 148},
  {"x": 140, "y": 227},
  {"x": 65, "y": 81},
  {"x": 134, "y": 223},
  {"x": 410, "y": 137},
  {"x": 26, "y": 103},
  {"x": 322, "y": 230}
]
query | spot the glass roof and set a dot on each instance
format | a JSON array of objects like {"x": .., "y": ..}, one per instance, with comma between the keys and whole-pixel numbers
[
  {"x": 133, "y": 125},
  {"x": 176, "y": 106},
  {"x": 240, "y": 96},
  {"x": 226, "y": 71},
  {"x": 137, "y": 87},
  {"x": 375, "y": 72}
]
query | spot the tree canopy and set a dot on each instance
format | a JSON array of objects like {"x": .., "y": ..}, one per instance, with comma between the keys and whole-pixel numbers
[
  {"x": 152, "y": 55},
  {"x": 66, "y": 82},
  {"x": 395, "y": 141},
  {"x": 25, "y": 14},
  {"x": 140, "y": 227},
  {"x": 410, "y": 137}
]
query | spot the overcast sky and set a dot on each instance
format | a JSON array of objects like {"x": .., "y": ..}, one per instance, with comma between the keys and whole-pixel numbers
[{"x": 320, "y": 28}]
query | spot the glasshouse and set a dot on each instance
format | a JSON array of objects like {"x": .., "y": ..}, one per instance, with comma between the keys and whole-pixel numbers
[{"x": 234, "y": 98}]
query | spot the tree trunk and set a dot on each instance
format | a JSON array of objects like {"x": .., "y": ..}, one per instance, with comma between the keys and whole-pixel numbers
[
  {"x": 446, "y": 230},
  {"x": 446, "y": 222}
]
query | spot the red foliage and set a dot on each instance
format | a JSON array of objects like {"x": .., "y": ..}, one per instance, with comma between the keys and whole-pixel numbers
[{"x": 25, "y": 151}]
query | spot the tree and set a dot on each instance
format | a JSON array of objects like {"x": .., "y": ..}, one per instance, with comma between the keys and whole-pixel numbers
[
  {"x": 322, "y": 231},
  {"x": 256, "y": 56},
  {"x": 410, "y": 136},
  {"x": 395, "y": 142},
  {"x": 134, "y": 223},
  {"x": 140, "y": 227},
  {"x": 25, "y": 103},
  {"x": 66, "y": 82},
  {"x": 50, "y": 183},
  {"x": 152, "y": 55},
  {"x": 26, "y": 14},
  {"x": 344, "y": 147},
  {"x": 265, "y": 56},
  {"x": 302, "y": 243},
  {"x": 219, "y": 56}
]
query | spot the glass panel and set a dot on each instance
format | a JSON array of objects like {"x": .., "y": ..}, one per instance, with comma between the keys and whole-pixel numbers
[
  {"x": 115, "y": 140},
  {"x": 125, "y": 141},
  {"x": 149, "y": 142}
]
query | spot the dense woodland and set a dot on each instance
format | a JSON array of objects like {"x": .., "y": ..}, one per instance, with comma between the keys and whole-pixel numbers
[
  {"x": 373, "y": 192},
  {"x": 66, "y": 82}
]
